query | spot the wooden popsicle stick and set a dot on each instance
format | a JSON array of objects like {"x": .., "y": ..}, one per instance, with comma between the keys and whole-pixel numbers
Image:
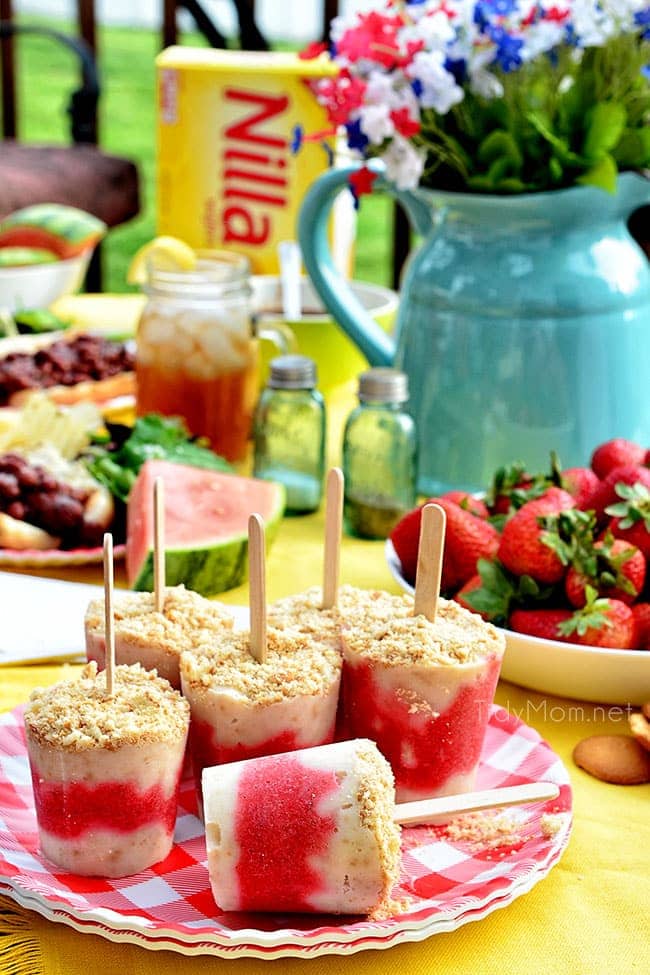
[
  {"x": 333, "y": 527},
  {"x": 429, "y": 567},
  {"x": 257, "y": 587},
  {"x": 427, "y": 811},
  {"x": 159, "y": 543},
  {"x": 109, "y": 629}
]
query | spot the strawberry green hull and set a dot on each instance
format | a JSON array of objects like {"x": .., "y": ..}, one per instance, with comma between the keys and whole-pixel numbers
[{"x": 206, "y": 526}]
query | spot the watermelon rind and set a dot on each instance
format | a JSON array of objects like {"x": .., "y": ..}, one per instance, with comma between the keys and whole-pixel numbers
[{"x": 214, "y": 566}]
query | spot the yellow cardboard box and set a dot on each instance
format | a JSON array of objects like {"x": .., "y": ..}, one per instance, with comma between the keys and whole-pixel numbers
[{"x": 227, "y": 176}]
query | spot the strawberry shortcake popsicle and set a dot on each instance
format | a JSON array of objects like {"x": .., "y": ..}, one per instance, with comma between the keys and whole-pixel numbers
[
  {"x": 422, "y": 690},
  {"x": 106, "y": 770},
  {"x": 241, "y": 708},
  {"x": 155, "y": 639},
  {"x": 310, "y": 830}
]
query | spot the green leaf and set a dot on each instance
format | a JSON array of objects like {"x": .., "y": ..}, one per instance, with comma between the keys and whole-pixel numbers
[
  {"x": 605, "y": 124},
  {"x": 633, "y": 149},
  {"x": 603, "y": 175},
  {"x": 500, "y": 145},
  {"x": 153, "y": 437}
]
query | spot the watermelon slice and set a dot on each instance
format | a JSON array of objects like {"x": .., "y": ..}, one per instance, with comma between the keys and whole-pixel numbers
[
  {"x": 67, "y": 231},
  {"x": 25, "y": 256},
  {"x": 206, "y": 525}
]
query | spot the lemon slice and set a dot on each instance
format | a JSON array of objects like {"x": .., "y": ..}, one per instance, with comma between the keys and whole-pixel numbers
[{"x": 165, "y": 253}]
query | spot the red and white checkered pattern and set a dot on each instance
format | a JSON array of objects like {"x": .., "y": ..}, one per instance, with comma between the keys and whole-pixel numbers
[{"x": 444, "y": 882}]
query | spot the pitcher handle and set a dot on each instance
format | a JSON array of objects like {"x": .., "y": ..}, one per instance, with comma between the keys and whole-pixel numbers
[{"x": 343, "y": 305}]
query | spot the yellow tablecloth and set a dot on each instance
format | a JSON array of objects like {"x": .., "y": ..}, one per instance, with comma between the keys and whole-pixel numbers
[{"x": 590, "y": 915}]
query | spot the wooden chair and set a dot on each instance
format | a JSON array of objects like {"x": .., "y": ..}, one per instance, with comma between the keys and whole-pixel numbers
[{"x": 79, "y": 174}]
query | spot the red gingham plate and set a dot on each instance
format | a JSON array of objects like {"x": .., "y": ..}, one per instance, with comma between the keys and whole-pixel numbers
[{"x": 445, "y": 882}]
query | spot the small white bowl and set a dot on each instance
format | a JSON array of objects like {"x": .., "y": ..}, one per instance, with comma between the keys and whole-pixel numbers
[
  {"x": 38, "y": 285},
  {"x": 595, "y": 674}
]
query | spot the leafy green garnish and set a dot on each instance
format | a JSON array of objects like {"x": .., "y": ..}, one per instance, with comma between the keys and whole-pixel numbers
[{"x": 116, "y": 464}]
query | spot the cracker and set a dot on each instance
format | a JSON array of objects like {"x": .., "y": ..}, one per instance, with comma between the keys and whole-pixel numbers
[
  {"x": 619, "y": 759},
  {"x": 640, "y": 728}
]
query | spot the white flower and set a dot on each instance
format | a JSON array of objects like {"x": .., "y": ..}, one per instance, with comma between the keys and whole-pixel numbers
[
  {"x": 380, "y": 89},
  {"x": 435, "y": 30},
  {"x": 404, "y": 163},
  {"x": 376, "y": 123},
  {"x": 485, "y": 84},
  {"x": 439, "y": 88},
  {"x": 541, "y": 38}
]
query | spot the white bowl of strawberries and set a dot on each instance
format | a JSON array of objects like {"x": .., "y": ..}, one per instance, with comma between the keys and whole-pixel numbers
[{"x": 560, "y": 561}]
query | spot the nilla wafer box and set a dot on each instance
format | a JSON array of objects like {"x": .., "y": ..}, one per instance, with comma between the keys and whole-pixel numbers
[{"x": 227, "y": 174}]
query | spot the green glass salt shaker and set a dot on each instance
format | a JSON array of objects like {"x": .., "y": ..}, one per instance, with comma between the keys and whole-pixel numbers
[
  {"x": 379, "y": 455},
  {"x": 289, "y": 432}
]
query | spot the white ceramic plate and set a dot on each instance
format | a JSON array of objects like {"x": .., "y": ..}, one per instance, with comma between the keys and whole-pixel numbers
[{"x": 565, "y": 669}]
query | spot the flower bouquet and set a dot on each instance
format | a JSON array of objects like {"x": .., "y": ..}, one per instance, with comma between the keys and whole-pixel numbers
[{"x": 494, "y": 96}]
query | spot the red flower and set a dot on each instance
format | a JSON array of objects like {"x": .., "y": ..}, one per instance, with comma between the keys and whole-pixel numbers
[
  {"x": 312, "y": 51},
  {"x": 375, "y": 38},
  {"x": 405, "y": 124},
  {"x": 341, "y": 96},
  {"x": 361, "y": 182}
]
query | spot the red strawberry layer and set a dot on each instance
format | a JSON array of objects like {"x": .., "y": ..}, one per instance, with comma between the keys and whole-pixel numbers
[
  {"x": 439, "y": 745},
  {"x": 277, "y": 852},
  {"x": 70, "y": 809},
  {"x": 206, "y": 751}
]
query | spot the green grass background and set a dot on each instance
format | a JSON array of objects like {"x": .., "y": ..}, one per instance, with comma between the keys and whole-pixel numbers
[{"x": 47, "y": 73}]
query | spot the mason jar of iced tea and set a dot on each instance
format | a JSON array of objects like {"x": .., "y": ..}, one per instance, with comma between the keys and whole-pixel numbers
[{"x": 197, "y": 351}]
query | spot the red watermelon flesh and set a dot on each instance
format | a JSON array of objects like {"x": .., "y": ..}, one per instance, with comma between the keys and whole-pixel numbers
[{"x": 206, "y": 525}]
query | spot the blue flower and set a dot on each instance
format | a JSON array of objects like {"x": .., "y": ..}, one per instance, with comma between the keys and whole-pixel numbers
[
  {"x": 642, "y": 19},
  {"x": 416, "y": 85},
  {"x": 297, "y": 136},
  {"x": 356, "y": 138},
  {"x": 501, "y": 7},
  {"x": 457, "y": 67},
  {"x": 508, "y": 53}
]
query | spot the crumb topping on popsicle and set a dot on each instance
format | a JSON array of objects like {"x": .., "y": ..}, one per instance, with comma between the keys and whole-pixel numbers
[
  {"x": 186, "y": 620},
  {"x": 294, "y": 666},
  {"x": 78, "y": 715},
  {"x": 394, "y": 637}
]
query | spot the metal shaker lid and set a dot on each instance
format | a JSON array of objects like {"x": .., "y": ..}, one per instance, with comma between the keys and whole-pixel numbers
[
  {"x": 292, "y": 372},
  {"x": 383, "y": 385}
]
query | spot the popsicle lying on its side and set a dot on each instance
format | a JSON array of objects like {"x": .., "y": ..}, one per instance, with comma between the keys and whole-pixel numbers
[
  {"x": 311, "y": 830},
  {"x": 317, "y": 830}
]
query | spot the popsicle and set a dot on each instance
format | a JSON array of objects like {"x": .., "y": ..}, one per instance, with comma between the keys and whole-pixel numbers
[
  {"x": 154, "y": 638},
  {"x": 106, "y": 769},
  {"x": 318, "y": 829},
  {"x": 419, "y": 679},
  {"x": 304, "y": 831}
]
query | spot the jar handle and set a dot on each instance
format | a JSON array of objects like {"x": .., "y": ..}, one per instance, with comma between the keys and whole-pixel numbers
[{"x": 278, "y": 333}]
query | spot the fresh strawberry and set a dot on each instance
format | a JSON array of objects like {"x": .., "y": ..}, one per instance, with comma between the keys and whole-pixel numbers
[
  {"x": 544, "y": 623},
  {"x": 613, "y": 567},
  {"x": 468, "y": 502},
  {"x": 471, "y": 586},
  {"x": 601, "y": 623},
  {"x": 405, "y": 537},
  {"x": 641, "y": 614},
  {"x": 606, "y": 494},
  {"x": 616, "y": 453},
  {"x": 525, "y": 548},
  {"x": 581, "y": 483},
  {"x": 511, "y": 487},
  {"x": 631, "y": 516},
  {"x": 467, "y": 539}
]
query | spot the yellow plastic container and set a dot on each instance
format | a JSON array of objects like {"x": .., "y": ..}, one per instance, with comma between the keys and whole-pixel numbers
[{"x": 227, "y": 176}]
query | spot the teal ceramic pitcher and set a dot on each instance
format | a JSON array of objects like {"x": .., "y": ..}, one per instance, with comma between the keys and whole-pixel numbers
[{"x": 524, "y": 323}]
